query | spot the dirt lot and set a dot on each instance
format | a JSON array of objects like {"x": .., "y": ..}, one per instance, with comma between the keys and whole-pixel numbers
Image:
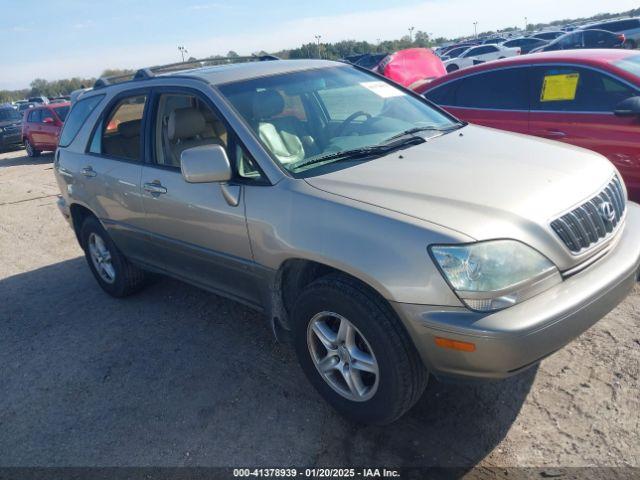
[{"x": 177, "y": 376}]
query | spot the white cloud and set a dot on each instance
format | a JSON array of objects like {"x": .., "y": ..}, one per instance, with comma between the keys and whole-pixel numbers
[{"x": 440, "y": 17}]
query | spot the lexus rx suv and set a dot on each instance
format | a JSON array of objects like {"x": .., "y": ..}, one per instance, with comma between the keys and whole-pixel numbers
[{"x": 387, "y": 240}]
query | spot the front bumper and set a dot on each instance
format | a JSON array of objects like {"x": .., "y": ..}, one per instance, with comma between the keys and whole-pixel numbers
[{"x": 515, "y": 338}]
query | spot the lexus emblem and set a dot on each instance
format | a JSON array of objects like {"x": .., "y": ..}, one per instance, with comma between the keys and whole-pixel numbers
[{"x": 607, "y": 212}]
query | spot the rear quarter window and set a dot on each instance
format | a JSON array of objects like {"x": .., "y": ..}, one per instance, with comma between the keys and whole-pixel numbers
[{"x": 76, "y": 118}]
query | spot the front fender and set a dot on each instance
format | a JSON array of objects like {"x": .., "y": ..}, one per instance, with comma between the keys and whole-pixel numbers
[{"x": 384, "y": 249}]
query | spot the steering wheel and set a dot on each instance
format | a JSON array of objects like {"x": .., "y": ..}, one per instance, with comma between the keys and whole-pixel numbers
[{"x": 347, "y": 121}]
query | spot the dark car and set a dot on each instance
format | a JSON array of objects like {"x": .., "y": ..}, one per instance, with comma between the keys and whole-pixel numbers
[
  {"x": 629, "y": 27},
  {"x": 10, "y": 127},
  {"x": 493, "y": 40},
  {"x": 42, "y": 100},
  {"x": 526, "y": 44},
  {"x": 584, "y": 39},
  {"x": 25, "y": 106},
  {"x": 548, "y": 36}
]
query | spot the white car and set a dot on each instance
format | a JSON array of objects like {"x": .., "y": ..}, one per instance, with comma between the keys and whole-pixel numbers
[{"x": 480, "y": 54}]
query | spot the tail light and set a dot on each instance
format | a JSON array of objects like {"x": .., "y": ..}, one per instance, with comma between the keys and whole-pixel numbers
[
  {"x": 519, "y": 51},
  {"x": 621, "y": 37}
]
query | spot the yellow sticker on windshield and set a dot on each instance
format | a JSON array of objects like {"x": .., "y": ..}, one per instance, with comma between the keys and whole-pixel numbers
[{"x": 556, "y": 88}]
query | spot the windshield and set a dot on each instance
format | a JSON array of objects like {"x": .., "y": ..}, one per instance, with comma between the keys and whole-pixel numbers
[
  {"x": 308, "y": 115},
  {"x": 9, "y": 115},
  {"x": 62, "y": 112},
  {"x": 630, "y": 64}
]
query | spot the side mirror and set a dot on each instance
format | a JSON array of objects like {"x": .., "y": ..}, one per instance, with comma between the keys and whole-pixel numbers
[
  {"x": 628, "y": 108},
  {"x": 48, "y": 120},
  {"x": 205, "y": 164}
]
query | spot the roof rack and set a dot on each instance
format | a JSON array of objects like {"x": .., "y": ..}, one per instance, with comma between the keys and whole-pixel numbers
[{"x": 150, "y": 72}]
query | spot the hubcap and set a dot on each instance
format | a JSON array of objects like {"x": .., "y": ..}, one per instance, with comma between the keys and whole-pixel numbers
[
  {"x": 343, "y": 356},
  {"x": 101, "y": 258}
]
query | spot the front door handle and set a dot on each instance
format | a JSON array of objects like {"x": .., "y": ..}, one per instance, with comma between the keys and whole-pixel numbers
[
  {"x": 555, "y": 134},
  {"x": 155, "y": 188},
  {"x": 88, "y": 171}
]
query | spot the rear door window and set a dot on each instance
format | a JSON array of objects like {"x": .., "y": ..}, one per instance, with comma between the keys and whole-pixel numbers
[
  {"x": 34, "y": 116},
  {"x": 444, "y": 95},
  {"x": 121, "y": 133},
  {"x": 504, "y": 89},
  {"x": 576, "y": 89},
  {"x": 597, "y": 39},
  {"x": 78, "y": 115}
]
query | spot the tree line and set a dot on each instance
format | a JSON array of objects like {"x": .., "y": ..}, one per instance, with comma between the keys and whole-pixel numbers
[{"x": 332, "y": 51}]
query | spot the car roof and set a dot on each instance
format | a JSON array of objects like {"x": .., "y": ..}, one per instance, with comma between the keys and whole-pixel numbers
[
  {"x": 219, "y": 74},
  {"x": 607, "y": 22}
]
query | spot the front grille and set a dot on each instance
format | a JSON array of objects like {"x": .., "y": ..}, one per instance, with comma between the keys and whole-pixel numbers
[{"x": 594, "y": 220}]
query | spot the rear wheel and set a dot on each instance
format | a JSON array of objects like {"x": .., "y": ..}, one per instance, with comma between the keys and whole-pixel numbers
[
  {"x": 31, "y": 150},
  {"x": 355, "y": 352},
  {"x": 114, "y": 273},
  {"x": 629, "y": 44},
  {"x": 452, "y": 68}
]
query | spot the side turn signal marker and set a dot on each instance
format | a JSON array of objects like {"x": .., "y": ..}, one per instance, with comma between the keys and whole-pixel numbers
[{"x": 455, "y": 344}]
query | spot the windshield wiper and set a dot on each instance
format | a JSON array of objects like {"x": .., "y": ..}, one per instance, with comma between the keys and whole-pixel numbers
[
  {"x": 429, "y": 128},
  {"x": 363, "y": 152}
]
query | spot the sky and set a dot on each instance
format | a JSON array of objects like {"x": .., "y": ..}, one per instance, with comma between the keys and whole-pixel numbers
[{"x": 55, "y": 39}]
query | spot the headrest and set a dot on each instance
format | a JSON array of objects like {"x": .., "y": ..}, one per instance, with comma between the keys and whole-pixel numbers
[
  {"x": 266, "y": 104},
  {"x": 129, "y": 129},
  {"x": 185, "y": 123}
]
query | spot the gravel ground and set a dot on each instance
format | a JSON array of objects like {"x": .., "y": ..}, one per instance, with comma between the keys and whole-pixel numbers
[{"x": 177, "y": 376}]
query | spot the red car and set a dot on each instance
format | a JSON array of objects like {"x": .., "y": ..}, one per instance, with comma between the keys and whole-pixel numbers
[
  {"x": 589, "y": 98},
  {"x": 411, "y": 68},
  {"x": 41, "y": 127}
]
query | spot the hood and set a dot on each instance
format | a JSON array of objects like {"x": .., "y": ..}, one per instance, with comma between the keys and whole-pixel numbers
[
  {"x": 10, "y": 123},
  {"x": 481, "y": 182}
]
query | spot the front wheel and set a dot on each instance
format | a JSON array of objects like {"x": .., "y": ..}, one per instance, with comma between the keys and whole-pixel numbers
[
  {"x": 31, "y": 150},
  {"x": 114, "y": 273},
  {"x": 355, "y": 352}
]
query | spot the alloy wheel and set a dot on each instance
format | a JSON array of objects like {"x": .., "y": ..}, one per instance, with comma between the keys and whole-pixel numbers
[
  {"x": 343, "y": 356},
  {"x": 101, "y": 258}
]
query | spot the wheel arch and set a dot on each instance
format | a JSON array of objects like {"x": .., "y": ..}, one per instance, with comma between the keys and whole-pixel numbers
[
  {"x": 79, "y": 213},
  {"x": 294, "y": 274}
]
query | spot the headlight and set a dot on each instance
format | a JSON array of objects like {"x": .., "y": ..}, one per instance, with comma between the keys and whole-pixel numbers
[
  {"x": 1, "y": 129},
  {"x": 495, "y": 274}
]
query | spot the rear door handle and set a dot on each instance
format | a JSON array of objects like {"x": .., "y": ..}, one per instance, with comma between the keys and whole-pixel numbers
[
  {"x": 550, "y": 133},
  {"x": 155, "y": 188},
  {"x": 88, "y": 172}
]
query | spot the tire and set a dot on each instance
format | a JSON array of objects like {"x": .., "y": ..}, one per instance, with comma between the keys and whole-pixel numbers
[
  {"x": 401, "y": 377},
  {"x": 452, "y": 68},
  {"x": 31, "y": 150},
  {"x": 123, "y": 278},
  {"x": 629, "y": 44}
]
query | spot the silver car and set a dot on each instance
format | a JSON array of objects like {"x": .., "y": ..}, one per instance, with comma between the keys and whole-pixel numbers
[{"x": 387, "y": 240}]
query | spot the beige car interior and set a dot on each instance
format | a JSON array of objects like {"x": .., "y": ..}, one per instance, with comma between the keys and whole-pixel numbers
[
  {"x": 185, "y": 122},
  {"x": 284, "y": 135}
]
